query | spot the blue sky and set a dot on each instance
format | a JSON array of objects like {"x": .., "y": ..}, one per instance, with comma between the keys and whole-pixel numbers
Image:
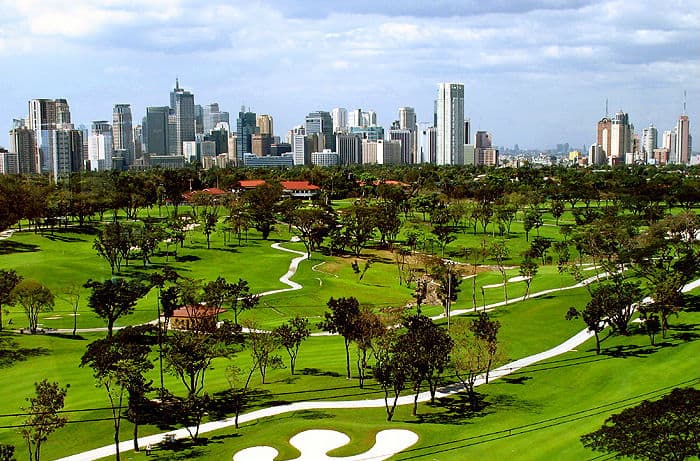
[{"x": 536, "y": 72}]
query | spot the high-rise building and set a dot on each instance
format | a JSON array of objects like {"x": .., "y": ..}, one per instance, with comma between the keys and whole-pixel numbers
[
  {"x": 245, "y": 129},
  {"x": 212, "y": 116},
  {"x": 265, "y": 124},
  {"x": 670, "y": 144},
  {"x": 370, "y": 133},
  {"x": 427, "y": 143},
  {"x": 348, "y": 148},
  {"x": 321, "y": 123},
  {"x": 620, "y": 138},
  {"x": 23, "y": 143},
  {"x": 340, "y": 119},
  {"x": 45, "y": 116},
  {"x": 301, "y": 149},
  {"x": 405, "y": 137},
  {"x": 355, "y": 118},
  {"x": 649, "y": 141},
  {"x": 407, "y": 118},
  {"x": 155, "y": 130},
  {"x": 67, "y": 154},
  {"x": 100, "y": 146},
  {"x": 603, "y": 141},
  {"x": 450, "y": 124},
  {"x": 483, "y": 140},
  {"x": 183, "y": 105},
  {"x": 382, "y": 152},
  {"x": 260, "y": 144},
  {"x": 683, "y": 140},
  {"x": 468, "y": 131},
  {"x": 123, "y": 133}
]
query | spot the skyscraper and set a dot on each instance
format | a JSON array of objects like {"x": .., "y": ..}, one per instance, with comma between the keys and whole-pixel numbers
[
  {"x": 123, "y": 133},
  {"x": 45, "y": 116},
  {"x": 650, "y": 141},
  {"x": 100, "y": 146},
  {"x": 450, "y": 124},
  {"x": 212, "y": 116},
  {"x": 620, "y": 138},
  {"x": 155, "y": 130},
  {"x": 405, "y": 137},
  {"x": 407, "y": 118},
  {"x": 683, "y": 140},
  {"x": 603, "y": 141},
  {"x": 23, "y": 143},
  {"x": 320, "y": 122},
  {"x": 245, "y": 129},
  {"x": 340, "y": 119},
  {"x": 265, "y": 124},
  {"x": 182, "y": 102}
]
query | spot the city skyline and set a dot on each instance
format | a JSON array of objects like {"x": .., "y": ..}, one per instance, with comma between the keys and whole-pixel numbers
[{"x": 535, "y": 73}]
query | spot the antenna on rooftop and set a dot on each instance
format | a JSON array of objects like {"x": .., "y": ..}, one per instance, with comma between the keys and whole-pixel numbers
[
  {"x": 606, "y": 107},
  {"x": 684, "y": 101}
]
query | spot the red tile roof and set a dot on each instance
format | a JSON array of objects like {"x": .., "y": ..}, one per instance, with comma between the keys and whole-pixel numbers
[
  {"x": 299, "y": 185},
  {"x": 196, "y": 312},
  {"x": 250, "y": 183}
]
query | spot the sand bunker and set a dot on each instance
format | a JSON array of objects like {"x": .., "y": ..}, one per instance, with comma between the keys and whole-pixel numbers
[{"x": 314, "y": 444}]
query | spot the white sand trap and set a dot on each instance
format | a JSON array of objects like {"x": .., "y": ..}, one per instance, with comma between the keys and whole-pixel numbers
[
  {"x": 591, "y": 268},
  {"x": 314, "y": 444},
  {"x": 519, "y": 278},
  {"x": 53, "y": 318}
]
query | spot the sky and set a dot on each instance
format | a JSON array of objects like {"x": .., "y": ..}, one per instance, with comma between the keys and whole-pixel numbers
[{"x": 536, "y": 72}]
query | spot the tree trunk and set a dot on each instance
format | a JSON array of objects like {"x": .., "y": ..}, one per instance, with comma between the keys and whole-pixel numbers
[
  {"x": 136, "y": 437},
  {"x": 347, "y": 357},
  {"x": 597, "y": 343}
]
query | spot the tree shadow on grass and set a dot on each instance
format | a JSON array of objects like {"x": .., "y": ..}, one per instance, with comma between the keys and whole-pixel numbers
[
  {"x": 691, "y": 303},
  {"x": 318, "y": 372},
  {"x": 630, "y": 350},
  {"x": 179, "y": 449},
  {"x": 9, "y": 247},
  {"x": 70, "y": 336},
  {"x": 62, "y": 238},
  {"x": 11, "y": 353},
  {"x": 187, "y": 258},
  {"x": 313, "y": 414},
  {"x": 224, "y": 402},
  {"x": 458, "y": 409}
]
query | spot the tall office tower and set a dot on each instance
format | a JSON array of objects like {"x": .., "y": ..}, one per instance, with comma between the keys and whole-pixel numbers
[
  {"x": 265, "y": 124},
  {"x": 450, "y": 124},
  {"x": 184, "y": 116},
  {"x": 198, "y": 119},
  {"x": 260, "y": 144},
  {"x": 407, "y": 118},
  {"x": 483, "y": 140},
  {"x": 355, "y": 118},
  {"x": 340, "y": 119},
  {"x": 67, "y": 155},
  {"x": 620, "y": 138},
  {"x": 349, "y": 148},
  {"x": 301, "y": 149},
  {"x": 670, "y": 143},
  {"x": 650, "y": 141},
  {"x": 172, "y": 134},
  {"x": 320, "y": 122},
  {"x": 212, "y": 116},
  {"x": 100, "y": 146},
  {"x": 405, "y": 137},
  {"x": 245, "y": 129},
  {"x": 427, "y": 143},
  {"x": 467, "y": 131},
  {"x": 369, "y": 118},
  {"x": 45, "y": 116},
  {"x": 683, "y": 140},
  {"x": 155, "y": 130},
  {"x": 603, "y": 140},
  {"x": 123, "y": 132},
  {"x": 138, "y": 141},
  {"x": 23, "y": 143},
  {"x": 9, "y": 163}
]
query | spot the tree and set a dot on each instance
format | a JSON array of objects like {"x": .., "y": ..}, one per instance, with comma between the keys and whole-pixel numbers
[
  {"x": 263, "y": 345},
  {"x": 594, "y": 318},
  {"x": 557, "y": 209},
  {"x": 114, "y": 298},
  {"x": 528, "y": 270},
  {"x": 313, "y": 225},
  {"x": 667, "y": 429},
  {"x": 532, "y": 219},
  {"x": 486, "y": 330},
  {"x": 391, "y": 371},
  {"x": 448, "y": 289},
  {"x": 261, "y": 202},
  {"x": 8, "y": 281},
  {"x": 189, "y": 355},
  {"x": 239, "y": 298},
  {"x": 7, "y": 452},
  {"x": 341, "y": 319},
  {"x": 119, "y": 365},
  {"x": 358, "y": 225},
  {"x": 113, "y": 245},
  {"x": 469, "y": 357},
  {"x": 290, "y": 335},
  {"x": 368, "y": 327},
  {"x": 190, "y": 411},
  {"x": 444, "y": 235},
  {"x": 209, "y": 220},
  {"x": 71, "y": 294},
  {"x": 499, "y": 253},
  {"x": 427, "y": 350},
  {"x": 44, "y": 416},
  {"x": 34, "y": 298}
]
